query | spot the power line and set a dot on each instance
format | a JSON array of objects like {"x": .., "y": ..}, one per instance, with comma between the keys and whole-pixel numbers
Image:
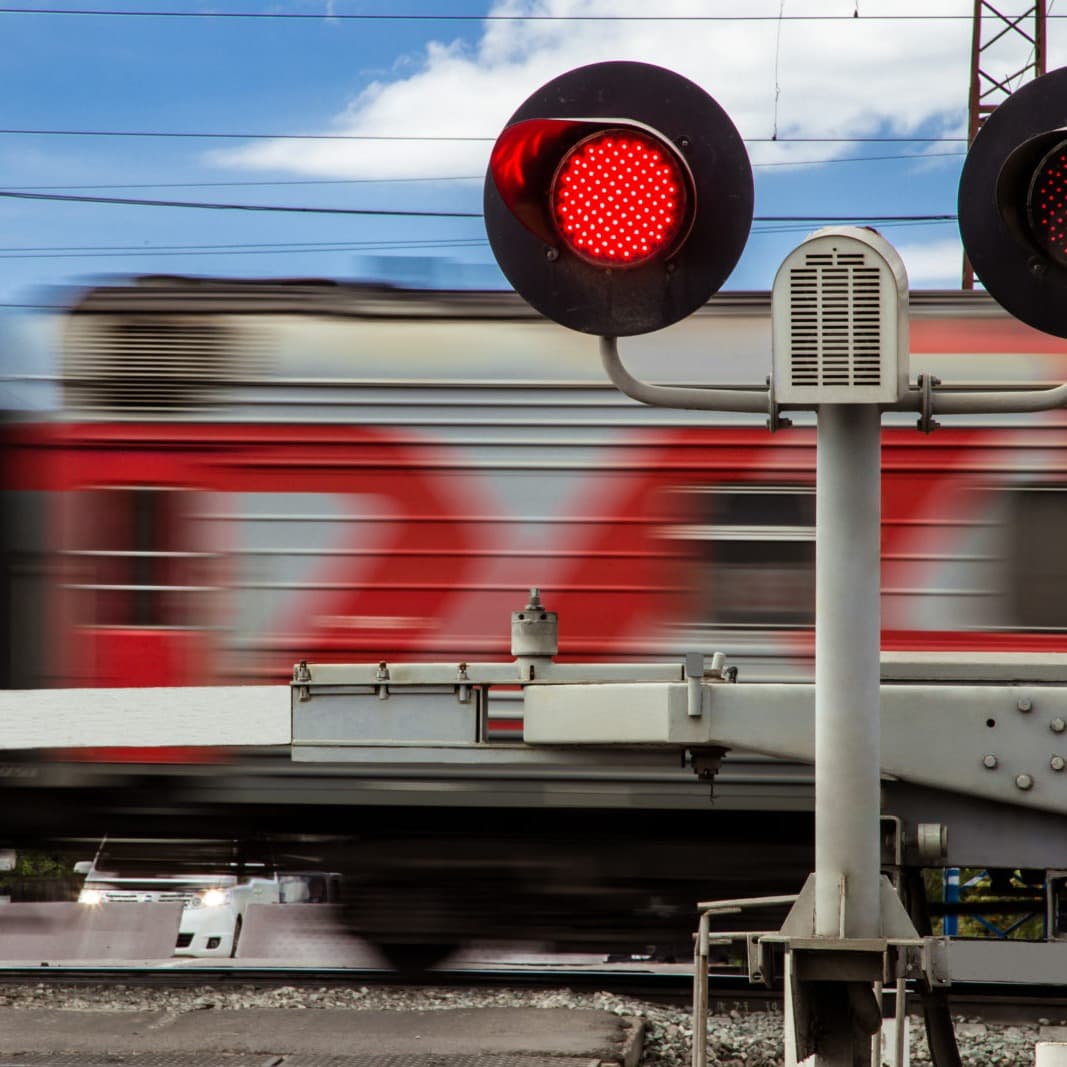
[
  {"x": 326, "y": 16},
  {"x": 264, "y": 245},
  {"x": 126, "y": 201},
  {"x": 856, "y": 220},
  {"x": 858, "y": 159},
  {"x": 281, "y": 248},
  {"x": 208, "y": 135},
  {"x": 443, "y": 178},
  {"x": 275, "y": 182},
  {"x": 213, "y": 135},
  {"x": 404, "y": 213},
  {"x": 887, "y": 224},
  {"x": 763, "y": 226}
]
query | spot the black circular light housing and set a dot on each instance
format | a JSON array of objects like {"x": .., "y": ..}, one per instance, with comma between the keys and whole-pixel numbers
[
  {"x": 1011, "y": 197},
  {"x": 611, "y": 295}
]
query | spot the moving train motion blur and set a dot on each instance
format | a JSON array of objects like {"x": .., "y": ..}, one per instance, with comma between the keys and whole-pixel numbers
[
  {"x": 215, "y": 479},
  {"x": 239, "y": 475}
]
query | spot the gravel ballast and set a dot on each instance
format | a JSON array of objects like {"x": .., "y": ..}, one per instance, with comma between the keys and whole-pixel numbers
[{"x": 735, "y": 1039}]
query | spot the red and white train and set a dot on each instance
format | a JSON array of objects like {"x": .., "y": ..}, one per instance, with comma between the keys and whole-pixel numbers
[
  {"x": 213, "y": 479},
  {"x": 233, "y": 475}
]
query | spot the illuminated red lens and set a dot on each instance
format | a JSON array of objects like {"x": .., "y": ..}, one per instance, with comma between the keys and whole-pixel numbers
[
  {"x": 619, "y": 198},
  {"x": 1047, "y": 204}
]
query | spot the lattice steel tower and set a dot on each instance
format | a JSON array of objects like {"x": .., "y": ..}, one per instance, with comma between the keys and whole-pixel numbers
[{"x": 1007, "y": 50}]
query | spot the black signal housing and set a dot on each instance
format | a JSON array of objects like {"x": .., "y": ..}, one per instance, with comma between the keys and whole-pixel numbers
[
  {"x": 684, "y": 205},
  {"x": 1013, "y": 204}
]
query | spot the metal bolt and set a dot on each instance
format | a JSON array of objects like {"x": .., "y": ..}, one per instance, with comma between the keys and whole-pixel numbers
[
  {"x": 551, "y": 254},
  {"x": 302, "y": 673},
  {"x": 990, "y": 762},
  {"x": 1057, "y": 763},
  {"x": 1024, "y": 782},
  {"x": 1024, "y": 704},
  {"x": 684, "y": 143},
  {"x": 463, "y": 690},
  {"x": 1057, "y": 726}
]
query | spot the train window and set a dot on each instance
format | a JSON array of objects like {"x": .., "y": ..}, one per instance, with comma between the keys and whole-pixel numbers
[
  {"x": 132, "y": 559},
  {"x": 1037, "y": 562},
  {"x": 756, "y": 550}
]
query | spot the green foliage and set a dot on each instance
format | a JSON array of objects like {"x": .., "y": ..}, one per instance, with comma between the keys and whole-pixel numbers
[
  {"x": 40, "y": 876},
  {"x": 991, "y": 893}
]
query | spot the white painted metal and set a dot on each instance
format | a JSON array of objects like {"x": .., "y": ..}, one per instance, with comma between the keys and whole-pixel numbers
[
  {"x": 193, "y": 715},
  {"x": 680, "y": 397},
  {"x": 1044, "y": 668},
  {"x": 326, "y": 675},
  {"x": 1013, "y": 962},
  {"x": 847, "y": 635},
  {"x": 936, "y": 735},
  {"x": 840, "y": 321}
]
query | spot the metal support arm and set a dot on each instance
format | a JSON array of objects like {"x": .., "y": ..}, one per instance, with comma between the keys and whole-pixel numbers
[
  {"x": 693, "y": 397},
  {"x": 761, "y": 401},
  {"x": 965, "y": 403}
]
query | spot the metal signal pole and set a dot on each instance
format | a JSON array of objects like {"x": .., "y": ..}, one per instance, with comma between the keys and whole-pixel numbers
[{"x": 847, "y": 670}]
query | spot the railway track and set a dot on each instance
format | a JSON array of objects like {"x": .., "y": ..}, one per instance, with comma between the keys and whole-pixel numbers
[{"x": 994, "y": 1003}]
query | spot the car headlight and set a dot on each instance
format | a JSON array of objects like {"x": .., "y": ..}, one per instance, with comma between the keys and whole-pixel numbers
[
  {"x": 90, "y": 896},
  {"x": 211, "y": 898}
]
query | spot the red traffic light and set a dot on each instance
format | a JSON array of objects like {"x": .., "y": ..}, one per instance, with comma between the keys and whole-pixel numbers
[
  {"x": 1046, "y": 204},
  {"x": 618, "y": 198},
  {"x": 1013, "y": 204}
]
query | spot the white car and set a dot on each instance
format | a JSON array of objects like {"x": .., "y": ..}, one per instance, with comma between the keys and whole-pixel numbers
[{"x": 214, "y": 909}]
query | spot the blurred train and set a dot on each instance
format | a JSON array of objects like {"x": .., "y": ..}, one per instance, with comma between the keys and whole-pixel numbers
[
  {"x": 206, "y": 480},
  {"x": 230, "y": 476}
]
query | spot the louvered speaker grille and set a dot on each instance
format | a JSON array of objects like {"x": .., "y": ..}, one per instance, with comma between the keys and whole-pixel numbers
[
  {"x": 154, "y": 364},
  {"x": 834, "y": 322}
]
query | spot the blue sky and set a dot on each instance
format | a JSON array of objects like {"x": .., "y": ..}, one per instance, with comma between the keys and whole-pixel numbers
[{"x": 858, "y": 77}]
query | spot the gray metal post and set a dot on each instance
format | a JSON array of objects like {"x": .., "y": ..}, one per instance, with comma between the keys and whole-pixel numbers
[{"x": 847, "y": 640}]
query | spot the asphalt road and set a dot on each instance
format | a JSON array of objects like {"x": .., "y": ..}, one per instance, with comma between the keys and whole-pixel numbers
[{"x": 460, "y": 1037}]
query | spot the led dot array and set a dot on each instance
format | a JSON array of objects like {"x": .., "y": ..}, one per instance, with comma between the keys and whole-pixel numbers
[
  {"x": 619, "y": 198},
  {"x": 1048, "y": 203}
]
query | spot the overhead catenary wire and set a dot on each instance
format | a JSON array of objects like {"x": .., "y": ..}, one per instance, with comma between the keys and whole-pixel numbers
[
  {"x": 236, "y": 249},
  {"x": 425, "y": 137},
  {"x": 275, "y": 182},
  {"x": 310, "y": 247},
  {"x": 126, "y": 201},
  {"x": 397, "y": 16}
]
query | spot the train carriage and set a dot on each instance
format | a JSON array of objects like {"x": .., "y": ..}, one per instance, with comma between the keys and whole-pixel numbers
[{"x": 242, "y": 474}]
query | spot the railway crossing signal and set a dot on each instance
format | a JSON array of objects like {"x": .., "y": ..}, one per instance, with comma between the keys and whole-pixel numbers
[
  {"x": 1013, "y": 204},
  {"x": 618, "y": 198}
]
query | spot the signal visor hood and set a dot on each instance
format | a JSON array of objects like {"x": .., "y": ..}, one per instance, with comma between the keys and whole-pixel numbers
[{"x": 527, "y": 154}]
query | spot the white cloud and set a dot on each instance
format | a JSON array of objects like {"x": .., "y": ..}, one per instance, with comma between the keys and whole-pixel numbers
[
  {"x": 934, "y": 264},
  {"x": 853, "y": 77}
]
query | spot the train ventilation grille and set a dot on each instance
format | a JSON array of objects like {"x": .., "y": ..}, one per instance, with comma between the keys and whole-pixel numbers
[
  {"x": 142, "y": 365},
  {"x": 835, "y": 337}
]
